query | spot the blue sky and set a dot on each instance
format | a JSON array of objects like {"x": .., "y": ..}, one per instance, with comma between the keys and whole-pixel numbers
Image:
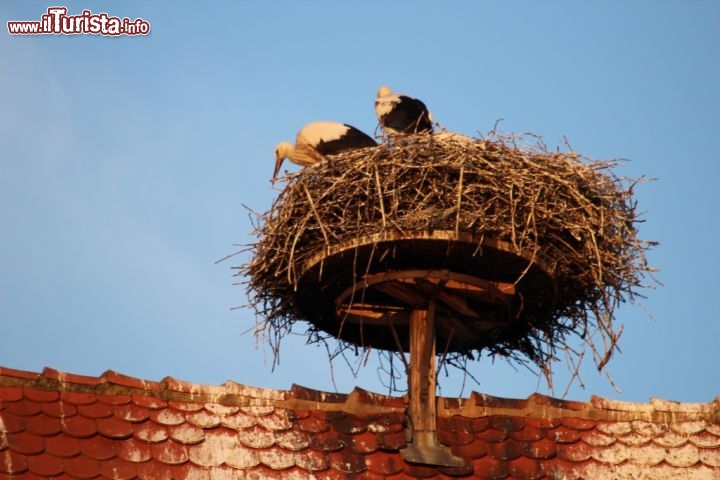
[{"x": 125, "y": 164}]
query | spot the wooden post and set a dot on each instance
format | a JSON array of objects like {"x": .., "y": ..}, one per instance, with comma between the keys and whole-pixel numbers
[
  {"x": 424, "y": 446},
  {"x": 423, "y": 411}
]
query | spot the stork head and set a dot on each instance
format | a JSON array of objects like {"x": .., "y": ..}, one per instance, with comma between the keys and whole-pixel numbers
[
  {"x": 383, "y": 91},
  {"x": 283, "y": 150}
]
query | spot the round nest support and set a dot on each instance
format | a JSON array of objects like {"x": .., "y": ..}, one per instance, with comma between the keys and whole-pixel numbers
[{"x": 513, "y": 246}]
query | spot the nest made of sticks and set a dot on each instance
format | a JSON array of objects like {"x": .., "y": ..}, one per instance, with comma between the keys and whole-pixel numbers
[{"x": 570, "y": 214}]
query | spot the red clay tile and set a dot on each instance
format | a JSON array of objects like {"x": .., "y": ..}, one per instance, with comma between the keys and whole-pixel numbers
[
  {"x": 26, "y": 408},
  {"x": 25, "y": 443},
  {"x": 709, "y": 457},
  {"x": 214, "y": 450},
  {"x": 506, "y": 423},
  {"x": 328, "y": 441},
  {"x": 276, "y": 458},
  {"x": 12, "y": 423},
  {"x": 258, "y": 410},
  {"x": 185, "y": 406},
  {"x": 313, "y": 425},
  {"x": 414, "y": 470},
  {"x": 564, "y": 435},
  {"x": 528, "y": 434},
  {"x": 82, "y": 467},
  {"x": 256, "y": 437},
  {"x": 151, "y": 433},
  {"x": 347, "y": 461},
  {"x": 329, "y": 415},
  {"x": 118, "y": 469},
  {"x": 278, "y": 421},
  {"x": 12, "y": 463},
  {"x": 11, "y": 372},
  {"x": 489, "y": 468},
  {"x": 350, "y": 424},
  {"x": 576, "y": 423},
  {"x": 507, "y": 450},
  {"x": 391, "y": 422},
  {"x": 114, "y": 428},
  {"x": 203, "y": 419},
  {"x": 597, "y": 438},
  {"x": 492, "y": 436},
  {"x": 133, "y": 450},
  {"x": 167, "y": 417},
  {"x": 688, "y": 428},
  {"x": 111, "y": 376},
  {"x": 526, "y": 469},
  {"x": 392, "y": 440},
  {"x": 614, "y": 454},
  {"x": 40, "y": 395},
  {"x": 78, "y": 398},
  {"x": 98, "y": 447},
  {"x": 147, "y": 401},
  {"x": 365, "y": 442},
  {"x": 312, "y": 460},
  {"x": 542, "y": 449},
  {"x": 384, "y": 463},
  {"x": 293, "y": 440},
  {"x": 45, "y": 465},
  {"x": 576, "y": 452},
  {"x": 59, "y": 409},
  {"x": 62, "y": 446},
  {"x": 704, "y": 440},
  {"x": 170, "y": 453},
  {"x": 454, "y": 472},
  {"x": 220, "y": 409},
  {"x": 484, "y": 400},
  {"x": 543, "y": 423},
  {"x": 186, "y": 434},
  {"x": 132, "y": 413},
  {"x": 153, "y": 471},
  {"x": 11, "y": 394},
  {"x": 240, "y": 421},
  {"x": 368, "y": 475},
  {"x": 69, "y": 378},
  {"x": 242, "y": 458},
  {"x": 475, "y": 449},
  {"x": 476, "y": 425},
  {"x": 458, "y": 437},
  {"x": 44, "y": 425},
  {"x": 331, "y": 475},
  {"x": 114, "y": 399},
  {"x": 79, "y": 427},
  {"x": 95, "y": 410}
]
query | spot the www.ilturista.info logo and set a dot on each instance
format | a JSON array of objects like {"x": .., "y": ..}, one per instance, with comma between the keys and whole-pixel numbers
[{"x": 57, "y": 21}]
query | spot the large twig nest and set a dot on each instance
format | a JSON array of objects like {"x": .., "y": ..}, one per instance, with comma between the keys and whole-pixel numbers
[{"x": 558, "y": 228}]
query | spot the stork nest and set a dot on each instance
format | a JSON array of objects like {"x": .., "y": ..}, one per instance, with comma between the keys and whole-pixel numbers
[{"x": 564, "y": 212}]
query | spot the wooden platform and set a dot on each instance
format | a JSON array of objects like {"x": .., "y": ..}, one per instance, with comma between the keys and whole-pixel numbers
[{"x": 364, "y": 291}]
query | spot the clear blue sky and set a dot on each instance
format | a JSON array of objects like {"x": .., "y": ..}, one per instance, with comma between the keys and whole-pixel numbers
[{"x": 125, "y": 163}]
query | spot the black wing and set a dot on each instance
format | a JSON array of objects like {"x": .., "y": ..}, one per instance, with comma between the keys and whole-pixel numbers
[
  {"x": 350, "y": 140},
  {"x": 410, "y": 115}
]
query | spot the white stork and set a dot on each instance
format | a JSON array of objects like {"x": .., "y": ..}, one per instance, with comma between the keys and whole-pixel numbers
[
  {"x": 317, "y": 139},
  {"x": 399, "y": 114}
]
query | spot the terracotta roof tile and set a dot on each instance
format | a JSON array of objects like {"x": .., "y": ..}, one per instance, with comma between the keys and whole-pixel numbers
[{"x": 56, "y": 424}]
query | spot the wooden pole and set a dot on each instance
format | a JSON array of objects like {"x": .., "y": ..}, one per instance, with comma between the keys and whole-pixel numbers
[
  {"x": 424, "y": 446},
  {"x": 423, "y": 411}
]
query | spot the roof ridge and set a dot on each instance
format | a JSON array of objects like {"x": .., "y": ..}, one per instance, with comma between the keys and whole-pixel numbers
[{"x": 359, "y": 400}]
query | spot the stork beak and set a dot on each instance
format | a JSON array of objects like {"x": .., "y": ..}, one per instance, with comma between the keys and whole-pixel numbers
[{"x": 278, "y": 164}]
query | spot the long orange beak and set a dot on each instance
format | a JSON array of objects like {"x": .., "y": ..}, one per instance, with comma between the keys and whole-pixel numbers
[{"x": 278, "y": 164}]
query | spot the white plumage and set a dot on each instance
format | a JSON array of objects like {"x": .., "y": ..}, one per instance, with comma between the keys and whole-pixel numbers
[
  {"x": 401, "y": 114},
  {"x": 317, "y": 139}
]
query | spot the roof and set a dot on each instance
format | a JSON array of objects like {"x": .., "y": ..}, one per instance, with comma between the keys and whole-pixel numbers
[{"x": 114, "y": 426}]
